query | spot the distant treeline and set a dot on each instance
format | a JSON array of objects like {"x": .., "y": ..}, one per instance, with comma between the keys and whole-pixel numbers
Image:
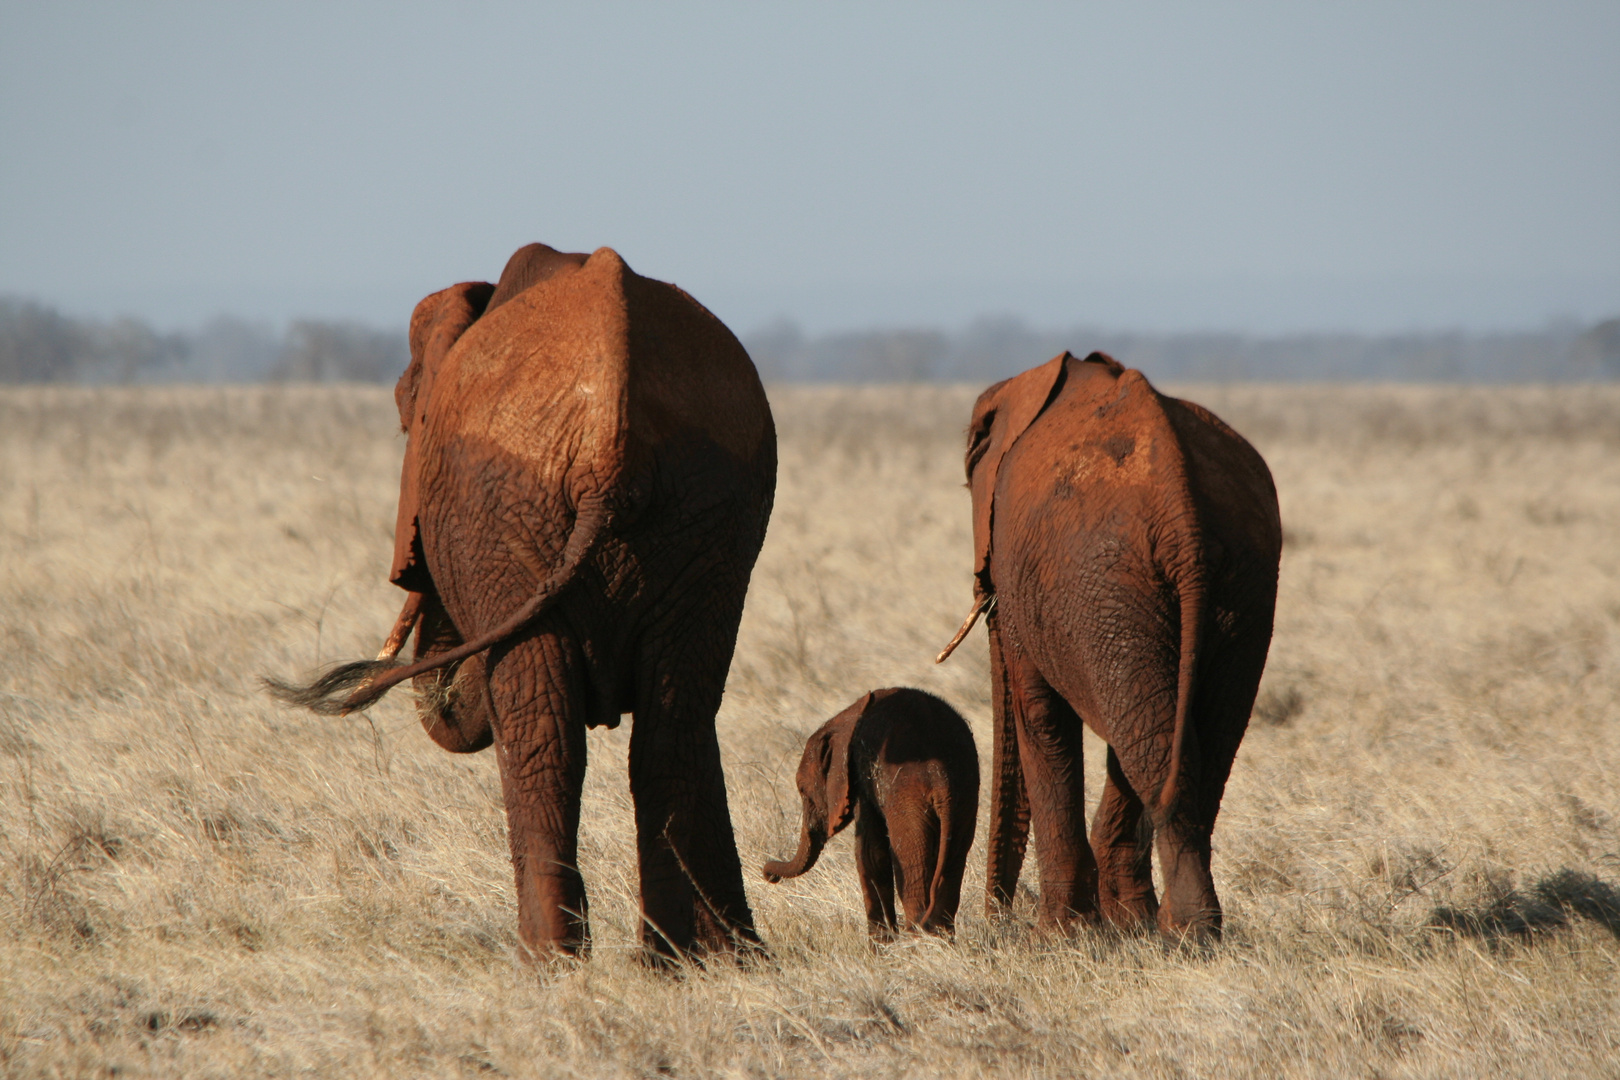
[
  {"x": 39, "y": 344},
  {"x": 995, "y": 348}
]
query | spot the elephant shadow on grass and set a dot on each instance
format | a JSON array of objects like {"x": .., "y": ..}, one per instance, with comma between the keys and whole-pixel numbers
[{"x": 1552, "y": 903}]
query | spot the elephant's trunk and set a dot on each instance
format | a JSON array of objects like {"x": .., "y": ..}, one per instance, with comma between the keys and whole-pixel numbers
[{"x": 811, "y": 842}]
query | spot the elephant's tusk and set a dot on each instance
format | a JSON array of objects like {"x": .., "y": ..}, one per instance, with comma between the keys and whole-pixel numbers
[
  {"x": 983, "y": 607},
  {"x": 403, "y": 626}
]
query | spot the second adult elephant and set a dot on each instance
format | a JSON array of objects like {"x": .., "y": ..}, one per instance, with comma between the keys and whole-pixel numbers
[
  {"x": 1126, "y": 549},
  {"x": 589, "y": 470}
]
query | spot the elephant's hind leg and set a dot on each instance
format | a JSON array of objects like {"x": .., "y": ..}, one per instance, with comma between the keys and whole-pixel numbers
[
  {"x": 538, "y": 693},
  {"x": 1051, "y": 751},
  {"x": 944, "y": 902},
  {"x": 1229, "y": 674},
  {"x": 692, "y": 895},
  {"x": 914, "y": 840},
  {"x": 875, "y": 869},
  {"x": 1190, "y": 906},
  {"x": 1181, "y": 833},
  {"x": 1009, "y": 797},
  {"x": 1121, "y": 839}
]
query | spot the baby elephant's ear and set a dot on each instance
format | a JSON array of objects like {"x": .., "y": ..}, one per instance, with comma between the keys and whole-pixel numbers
[{"x": 840, "y": 739}]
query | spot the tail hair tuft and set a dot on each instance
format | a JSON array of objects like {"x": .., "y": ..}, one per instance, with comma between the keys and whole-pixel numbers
[{"x": 342, "y": 689}]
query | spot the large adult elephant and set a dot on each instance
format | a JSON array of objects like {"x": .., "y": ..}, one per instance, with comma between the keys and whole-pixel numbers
[
  {"x": 1126, "y": 548},
  {"x": 589, "y": 470}
]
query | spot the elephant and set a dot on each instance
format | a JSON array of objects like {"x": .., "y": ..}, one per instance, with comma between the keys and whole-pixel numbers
[
  {"x": 589, "y": 469},
  {"x": 903, "y": 764},
  {"x": 1126, "y": 549}
]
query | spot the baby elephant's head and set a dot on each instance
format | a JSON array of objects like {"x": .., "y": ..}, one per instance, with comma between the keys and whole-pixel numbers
[{"x": 823, "y": 781}]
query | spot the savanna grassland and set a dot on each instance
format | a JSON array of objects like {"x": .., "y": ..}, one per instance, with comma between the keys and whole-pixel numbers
[{"x": 1419, "y": 851}]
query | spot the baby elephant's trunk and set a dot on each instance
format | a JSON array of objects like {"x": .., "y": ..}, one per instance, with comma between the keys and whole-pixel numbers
[{"x": 810, "y": 844}]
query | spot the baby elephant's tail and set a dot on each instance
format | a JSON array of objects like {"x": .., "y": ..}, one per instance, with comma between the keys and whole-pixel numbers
[{"x": 935, "y": 912}]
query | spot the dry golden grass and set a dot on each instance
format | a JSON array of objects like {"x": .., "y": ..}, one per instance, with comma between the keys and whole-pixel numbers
[{"x": 1418, "y": 851}]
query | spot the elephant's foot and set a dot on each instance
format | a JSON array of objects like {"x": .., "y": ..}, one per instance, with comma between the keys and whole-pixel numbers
[
  {"x": 553, "y": 959},
  {"x": 1065, "y": 915},
  {"x": 1068, "y": 897},
  {"x": 1198, "y": 926},
  {"x": 1130, "y": 919},
  {"x": 748, "y": 950},
  {"x": 554, "y": 950},
  {"x": 666, "y": 961},
  {"x": 1066, "y": 924},
  {"x": 1128, "y": 906},
  {"x": 552, "y": 920},
  {"x": 681, "y": 925},
  {"x": 724, "y": 930},
  {"x": 1190, "y": 909},
  {"x": 880, "y": 931},
  {"x": 740, "y": 943}
]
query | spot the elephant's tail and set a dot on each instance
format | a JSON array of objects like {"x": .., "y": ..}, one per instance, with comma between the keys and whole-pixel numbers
[
  {"x": 1192, "y": 619},
  {"x": 368, "y": 680}
]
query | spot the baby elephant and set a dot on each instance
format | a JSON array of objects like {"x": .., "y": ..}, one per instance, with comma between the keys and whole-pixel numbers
[{"x": 907, "y": 761}]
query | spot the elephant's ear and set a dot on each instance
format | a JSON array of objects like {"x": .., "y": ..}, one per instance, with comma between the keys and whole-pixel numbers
[
  {"x": 437, "y": 324},
  {"x": 840, "y": 741},
  {"x": 999, "y": 418}
]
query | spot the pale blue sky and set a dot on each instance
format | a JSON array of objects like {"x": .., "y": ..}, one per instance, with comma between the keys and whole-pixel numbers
[{"x": 1251, "y": 166}]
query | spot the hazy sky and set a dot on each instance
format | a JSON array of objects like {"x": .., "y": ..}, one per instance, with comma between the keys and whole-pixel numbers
[{"x": 1136, "y": 166}]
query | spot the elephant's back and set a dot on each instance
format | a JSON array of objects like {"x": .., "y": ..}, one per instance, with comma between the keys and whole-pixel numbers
[
  {"x": 1115, "y": 466},
  {"x": 689, "y": 376},
  {"x": 541, "y": 382},
  {"x": 587, "y": 360},
  {"x": 595, "y": 359},
  {"x": 1236, "y": 496},
  {"x": 1095, "y": 527},
  {"x": 1115, "y": 504},
  {"x": 1102, "y": 469},
  {"x": 917, "y": 726}
]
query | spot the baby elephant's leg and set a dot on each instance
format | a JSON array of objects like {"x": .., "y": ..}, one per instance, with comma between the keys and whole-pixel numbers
[
  {"x": 876, "y": 872},
  {"x": 914, "y": 838}
]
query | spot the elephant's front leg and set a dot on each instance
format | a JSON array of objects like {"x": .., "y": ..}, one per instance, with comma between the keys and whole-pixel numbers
[
  {"x": 1121, "y": 840},
  {"x": 1051, "y": 750},
  {"x": 538, "y": 692}
]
